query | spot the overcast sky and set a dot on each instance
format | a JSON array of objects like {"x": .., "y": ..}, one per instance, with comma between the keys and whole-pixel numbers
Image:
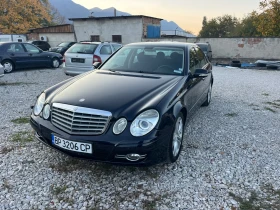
[{"x": 188, "y": 14}]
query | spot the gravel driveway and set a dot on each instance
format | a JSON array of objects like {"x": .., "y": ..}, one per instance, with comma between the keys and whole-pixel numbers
[{"x": 230, "y": 158}]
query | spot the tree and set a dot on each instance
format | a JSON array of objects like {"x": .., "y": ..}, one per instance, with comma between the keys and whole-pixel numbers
[
  {"x": 18, "y": 16},
  {"x": 247, "y": 27},
  {"x": 268, "y": 19},
  {"x": 218, "y": 27},
  {"x": 57, "y": 18}
]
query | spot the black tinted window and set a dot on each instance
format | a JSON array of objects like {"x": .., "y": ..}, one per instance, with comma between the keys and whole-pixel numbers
[
  {"x": 201, "y": 58},
  {"x": 193, "y": 60},
  {"x": 15, "y": 48},
  {"x": 106, "y": 50}
]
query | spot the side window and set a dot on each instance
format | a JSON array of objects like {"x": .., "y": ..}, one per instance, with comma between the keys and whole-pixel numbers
[
  {"x": 201, "y": 58},
  {"x": 15, "y": 48},
  {"x": 193, "y": 60},
  {"x": 106, "y": 50},
  {"x": 31, "y": 49}
]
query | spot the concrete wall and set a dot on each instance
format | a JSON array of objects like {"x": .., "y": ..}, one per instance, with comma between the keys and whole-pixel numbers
[
  {"x": 243, "y": 48},
  {"x": 131, "y": 29},
  {"x": 56, "y": 38},
  {"x": 12, "y": 37}
]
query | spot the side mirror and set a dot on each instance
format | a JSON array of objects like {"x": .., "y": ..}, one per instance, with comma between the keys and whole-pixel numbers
[
  {"x": 200, "y": 73},
  {"x": 96, "y": 64}
]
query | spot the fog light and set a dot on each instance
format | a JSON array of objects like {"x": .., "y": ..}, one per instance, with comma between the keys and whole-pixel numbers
[{"x": 133, "y": 157}]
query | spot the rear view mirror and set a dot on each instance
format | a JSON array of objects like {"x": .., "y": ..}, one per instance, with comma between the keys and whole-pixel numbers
[
  {"x": 96, "y": 64},
  {"x": 200, "y": 73}
]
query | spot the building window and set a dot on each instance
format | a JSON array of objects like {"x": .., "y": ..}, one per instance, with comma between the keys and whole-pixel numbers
[
  {"x": 117, "y": 38},
  {"x": 95, "y": 38}
]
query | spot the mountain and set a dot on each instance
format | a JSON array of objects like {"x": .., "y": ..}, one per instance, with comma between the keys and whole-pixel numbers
[{"x": 70, "y": 9}]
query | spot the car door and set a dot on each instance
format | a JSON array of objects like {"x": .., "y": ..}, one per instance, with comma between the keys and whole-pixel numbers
[
  {"x": 36, "y": 56},
  {"x": 105, "y": 52},
  {"x": 203, "y": 64},
  {"x": 193, "y": 84},
  {"x": 18, "y": 55}
]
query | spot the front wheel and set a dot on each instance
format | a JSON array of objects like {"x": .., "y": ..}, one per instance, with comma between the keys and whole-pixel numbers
[
  {"x": 8, "y": 66},
  {"x": 55, "y": 63},
  {"x": 176, "y": 141}
]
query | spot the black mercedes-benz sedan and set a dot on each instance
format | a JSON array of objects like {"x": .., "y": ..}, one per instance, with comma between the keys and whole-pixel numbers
[{"x": 132, "y": 109}]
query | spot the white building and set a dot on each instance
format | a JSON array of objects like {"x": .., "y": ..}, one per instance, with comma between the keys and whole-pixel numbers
[{"x": 122, "y": 29}]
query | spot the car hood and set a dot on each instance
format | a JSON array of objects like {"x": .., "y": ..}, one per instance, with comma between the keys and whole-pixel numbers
[
  {"x": 56, "y": 48},
  {"x": 123, "y": 94}
]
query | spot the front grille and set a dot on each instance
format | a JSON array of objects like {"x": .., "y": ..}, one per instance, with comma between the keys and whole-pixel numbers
[{"x": 79, "y": 120}]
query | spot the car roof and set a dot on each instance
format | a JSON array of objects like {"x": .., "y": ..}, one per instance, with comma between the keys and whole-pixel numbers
[{"x": 165, "y": 43}]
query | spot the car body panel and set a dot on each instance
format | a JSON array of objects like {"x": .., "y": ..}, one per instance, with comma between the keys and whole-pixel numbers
[
  {"x": 126, "y": 95},
  {"x": 62, "y": 47}
]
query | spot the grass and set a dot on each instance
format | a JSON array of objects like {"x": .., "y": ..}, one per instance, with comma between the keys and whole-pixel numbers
[
  {"x": 269, "y": 109},
  {"x": 233, "y": 114},
  {"x": 21, "y": 120},
  {"x": 5, "y": 150},
  {"x": 22, "y": 137},
  {"x": 58, "y": 189},
  {"x": 15, "y": 83},
  {"x": 271, "y": 200},
  {"x": 274, "y": 104}
]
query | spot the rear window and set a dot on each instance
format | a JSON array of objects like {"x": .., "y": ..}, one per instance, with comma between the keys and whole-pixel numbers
[{"x": 83, "y": 48}]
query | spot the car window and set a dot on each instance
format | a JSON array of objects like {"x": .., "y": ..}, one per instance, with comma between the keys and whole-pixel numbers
[
  {"x": 15, "y": 48},
  {"x": 83, "y": 48},
  {"x": 193, "y": 61},
  {"x": 64, "y": 44},
  {"x": 150, "y": 59},
  {"x": 116, "y": 46},
  {"x": 106, "y": 50},
  {"x": 31, "y": 49},
  {"x": 201, "y": 58}
]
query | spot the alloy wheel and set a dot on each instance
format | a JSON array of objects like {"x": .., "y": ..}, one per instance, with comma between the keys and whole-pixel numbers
[{"x": 177, "y": 137}]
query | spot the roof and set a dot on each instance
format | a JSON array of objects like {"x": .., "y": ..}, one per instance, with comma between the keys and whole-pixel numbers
[
  {"x": 163, "y": 43},
  {"x": 114, "y": 17}
]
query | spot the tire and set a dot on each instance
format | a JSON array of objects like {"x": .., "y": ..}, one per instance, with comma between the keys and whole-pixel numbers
[
  {"x": 235, "y": 64},
  {"x": 175, "y": 144},
  {"x": 209, "y": 97},
  {"x": 261, "y": 65},
  {"x": 8, "y": 66},
  {"x": 272, "y": 67},
  {"x": 55, "y": 63}
]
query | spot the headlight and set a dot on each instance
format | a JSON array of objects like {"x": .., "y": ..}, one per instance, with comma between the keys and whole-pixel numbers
[
  {"x": 39, "y": 104},
  {"x": 119, "y": 126},
  {"x": 46, "y": 111},
  {"x": 144, "y": 123}
]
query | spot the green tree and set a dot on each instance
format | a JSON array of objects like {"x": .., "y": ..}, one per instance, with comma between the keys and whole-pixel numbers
[{"x": 268, "y": 19}]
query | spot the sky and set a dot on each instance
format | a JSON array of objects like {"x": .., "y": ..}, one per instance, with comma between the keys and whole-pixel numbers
[{"x": 188, "y": 14}]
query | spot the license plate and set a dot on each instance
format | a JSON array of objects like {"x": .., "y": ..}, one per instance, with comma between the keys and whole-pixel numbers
[
  {"x": 72, "y": 145},
  {"x": 78, "y": 60}
]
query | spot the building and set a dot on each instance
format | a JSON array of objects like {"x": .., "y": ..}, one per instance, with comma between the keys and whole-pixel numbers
[
  {"x": 122, "y": 29},
  {"x": 53, "y": 34},
  {"x": 12, "y": 38}
]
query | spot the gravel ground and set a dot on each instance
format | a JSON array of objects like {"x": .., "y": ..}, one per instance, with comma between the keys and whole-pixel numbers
[{"x": 230, "y": 158}]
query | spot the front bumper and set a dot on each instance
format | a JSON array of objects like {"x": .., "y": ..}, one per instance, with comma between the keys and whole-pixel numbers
[{"x": 108, "y": 147}]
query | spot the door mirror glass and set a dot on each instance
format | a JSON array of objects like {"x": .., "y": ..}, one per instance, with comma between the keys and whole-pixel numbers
[{"x": 200, "y": 73}]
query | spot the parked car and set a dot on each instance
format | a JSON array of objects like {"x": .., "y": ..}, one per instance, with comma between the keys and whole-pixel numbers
[
  {"x": 43, "y": 45},
  {"x": 80, "y": 57},
  {"x": 15, "y": 55},
  {"x": 206, "y": 48},
  {"x": 129, "y": 111},
  {"x": 62, "y": 47},
  {"x": 1, "y": 71}
]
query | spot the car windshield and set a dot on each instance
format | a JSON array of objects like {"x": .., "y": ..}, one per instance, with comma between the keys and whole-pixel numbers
[
  {"x": 83, "y": 48},
  {"x": 148, "y": 59},
  {"x": 63, "y": 44}
]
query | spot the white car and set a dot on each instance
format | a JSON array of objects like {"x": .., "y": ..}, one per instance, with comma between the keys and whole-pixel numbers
[
  {"x": 80, "y": 57},
  {"x": 1, "y": 71}
]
